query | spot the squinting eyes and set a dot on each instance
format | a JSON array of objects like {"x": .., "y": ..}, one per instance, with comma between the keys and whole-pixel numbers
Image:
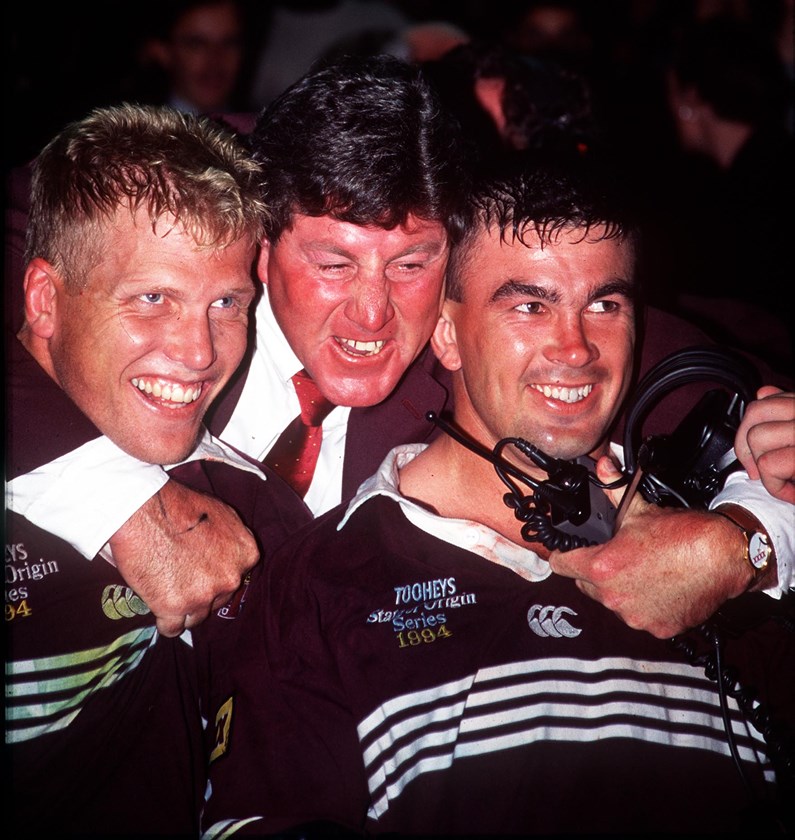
[{"x": 156, "y": 298}]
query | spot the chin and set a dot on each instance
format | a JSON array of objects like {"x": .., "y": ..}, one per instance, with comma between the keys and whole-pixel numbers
[
  {"x": 162, "y": 453},
  {"x": 566, "y": 450},
  {"x": 359, "y": 396}
]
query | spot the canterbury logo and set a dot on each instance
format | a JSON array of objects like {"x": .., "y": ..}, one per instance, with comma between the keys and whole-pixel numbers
[
  {"x": 121, "y": 602},
  {"x": 549, "y": 621}
]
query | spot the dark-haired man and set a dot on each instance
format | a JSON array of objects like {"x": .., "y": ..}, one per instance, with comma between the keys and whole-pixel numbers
[{"x": 409, "y": 665}]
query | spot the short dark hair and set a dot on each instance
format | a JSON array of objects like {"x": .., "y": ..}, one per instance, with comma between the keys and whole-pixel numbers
[
  {"x": 542, "y": 103},
  {"x": 547, "y": 194},
  {"x": 362, "y": 138}
]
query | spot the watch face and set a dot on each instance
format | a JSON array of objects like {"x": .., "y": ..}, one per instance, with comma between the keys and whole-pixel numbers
[{"x": 758, "y": 550}]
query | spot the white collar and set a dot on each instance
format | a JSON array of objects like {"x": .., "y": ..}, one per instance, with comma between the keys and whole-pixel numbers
[
  {"x": 464, "y": 533},
  {"x": 270, "y": 336},
  {"x": 209, "y": 448}
]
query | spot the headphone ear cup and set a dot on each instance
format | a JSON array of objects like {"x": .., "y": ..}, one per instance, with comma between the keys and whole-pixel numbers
[{"x": 706, "y": 435}]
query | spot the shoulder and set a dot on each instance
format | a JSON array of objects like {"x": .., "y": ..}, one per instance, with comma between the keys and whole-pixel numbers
[
  {"x": 332, "y": 542},
  {"x": 42, "y": 421}
]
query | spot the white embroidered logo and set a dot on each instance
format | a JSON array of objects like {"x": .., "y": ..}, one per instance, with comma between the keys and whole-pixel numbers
[{"x": 549, "y": 621}]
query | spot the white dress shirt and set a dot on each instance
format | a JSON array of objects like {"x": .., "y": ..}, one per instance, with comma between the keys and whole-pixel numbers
[{"x": 268, "y": 403}]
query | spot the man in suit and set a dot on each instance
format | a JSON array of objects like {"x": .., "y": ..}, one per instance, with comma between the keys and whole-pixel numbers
[{"x": 363, "y": 174}]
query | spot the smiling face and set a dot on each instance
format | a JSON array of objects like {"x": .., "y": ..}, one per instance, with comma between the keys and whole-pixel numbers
[
  {"x": 147, "y": 343},
  {"x": 357, "y": 304},
  {"x": 542, "y": 341}
]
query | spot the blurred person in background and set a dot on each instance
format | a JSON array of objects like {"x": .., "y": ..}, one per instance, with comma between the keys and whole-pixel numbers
[
  {"x": 195, "y": 55},
  {"x": 728, "y": 94}
]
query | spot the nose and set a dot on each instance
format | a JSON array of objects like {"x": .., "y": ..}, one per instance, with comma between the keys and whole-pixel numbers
[
  {"x": 569, "y": 343},
  {"x": 369, "y": 305},
  {"x": 190, "y": 341}
]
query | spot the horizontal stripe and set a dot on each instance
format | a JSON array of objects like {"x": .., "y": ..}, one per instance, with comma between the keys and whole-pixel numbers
[
  {"x": 78, "y": 657},
  {"x": 41, "y": 710},
  {"x": 561, "y": 699},
  {"x": 444, "y": 761}
]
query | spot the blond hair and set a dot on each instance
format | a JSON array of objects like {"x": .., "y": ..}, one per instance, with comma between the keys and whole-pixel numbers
[{"x": 176, "y": 165}]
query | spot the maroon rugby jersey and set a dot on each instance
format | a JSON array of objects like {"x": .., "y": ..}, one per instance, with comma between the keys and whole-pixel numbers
[
  {"x": 395, "y": 682},
  {"x": 104, "y": 727}
]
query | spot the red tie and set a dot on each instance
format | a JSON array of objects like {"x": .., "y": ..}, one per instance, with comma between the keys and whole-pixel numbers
[{"x": 294, "y": 454}]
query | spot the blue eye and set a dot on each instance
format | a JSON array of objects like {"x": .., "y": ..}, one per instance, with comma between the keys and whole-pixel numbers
[{"x": 152, "y": 297}]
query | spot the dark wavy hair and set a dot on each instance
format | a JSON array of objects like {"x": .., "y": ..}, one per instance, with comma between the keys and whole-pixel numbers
[
  {"x": 548, "y": 194},
  {"x": 365, "y": 140}
]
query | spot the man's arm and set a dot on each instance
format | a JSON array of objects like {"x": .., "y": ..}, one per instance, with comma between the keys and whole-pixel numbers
[
  {"x": 85, "y": 495},
  {"x": 667, "y": 569},
  {"x": 184, "y": 553}
]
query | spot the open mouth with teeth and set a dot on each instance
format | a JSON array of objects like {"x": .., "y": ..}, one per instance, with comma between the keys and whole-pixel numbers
[
  {"x": 172, "y": 394},
  {"x": 360, "y": 348},
  {"x": 567, "y": 395}
]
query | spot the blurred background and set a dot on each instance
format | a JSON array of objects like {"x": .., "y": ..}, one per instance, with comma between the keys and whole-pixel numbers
[{"x": 696, "y": 96}]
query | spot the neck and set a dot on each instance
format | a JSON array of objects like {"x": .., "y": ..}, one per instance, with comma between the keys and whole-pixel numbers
[{"x": 456, "y": 483}]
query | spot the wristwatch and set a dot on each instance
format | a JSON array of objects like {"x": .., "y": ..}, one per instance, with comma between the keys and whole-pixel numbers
[{"x": 759, "y": 552}]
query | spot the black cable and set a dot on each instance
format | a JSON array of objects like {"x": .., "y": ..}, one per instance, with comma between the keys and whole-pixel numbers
[{"x": 565, "y": 494}]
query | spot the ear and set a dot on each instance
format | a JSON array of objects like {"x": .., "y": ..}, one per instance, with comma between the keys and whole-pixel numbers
[
  {"x": 443, "y": 340},
  {"x": 262, "y": 261},
  {"x": 43, "y": 285}
]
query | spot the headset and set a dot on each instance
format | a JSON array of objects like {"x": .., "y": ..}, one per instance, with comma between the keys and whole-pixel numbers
[{"x": 686, "y": 468}]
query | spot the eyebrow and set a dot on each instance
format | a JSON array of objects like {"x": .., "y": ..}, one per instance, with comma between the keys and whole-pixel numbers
[
  {"x": 516, "y": 288},
  {"x": 433, "y": 246}
]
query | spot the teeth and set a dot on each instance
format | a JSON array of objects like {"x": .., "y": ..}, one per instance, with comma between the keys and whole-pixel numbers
[
  {"x": 567, "y": 395},
  {"x": 362, "y": 348},
  {"x": 170, "y": 393}
]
